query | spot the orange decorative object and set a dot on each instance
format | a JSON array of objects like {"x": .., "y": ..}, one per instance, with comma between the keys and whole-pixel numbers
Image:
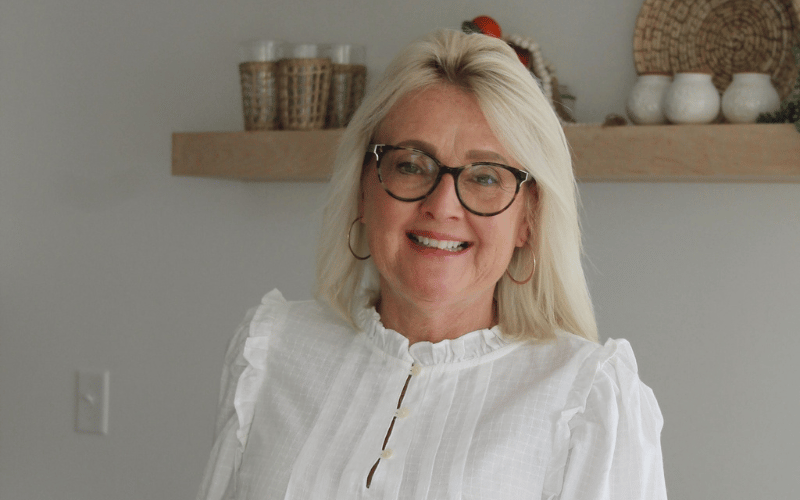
[
  {"x": 524, "y": 56},
  {"x": 488, "y": 26}
]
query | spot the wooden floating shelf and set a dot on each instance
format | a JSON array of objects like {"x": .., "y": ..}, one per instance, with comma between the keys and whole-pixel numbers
[
  {"x": 256, "y": 156},
  {"x": 664, "y": 153}
]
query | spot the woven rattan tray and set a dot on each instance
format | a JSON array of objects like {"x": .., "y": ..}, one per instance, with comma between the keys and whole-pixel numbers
[{"x": 723, "y": 36}]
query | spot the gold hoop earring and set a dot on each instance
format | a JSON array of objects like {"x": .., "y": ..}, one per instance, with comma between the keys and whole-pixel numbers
[
  {"x": 529, "y": 276},
  {"x": 351, "y": 246}
]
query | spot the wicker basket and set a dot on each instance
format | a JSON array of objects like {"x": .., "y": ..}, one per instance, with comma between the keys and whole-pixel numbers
[
  {"x": 348, "y": 82},
  {"x": 725, "y": 36},
  {"x": 259, "y": 95},
  {"x": 303, "y": 89}
]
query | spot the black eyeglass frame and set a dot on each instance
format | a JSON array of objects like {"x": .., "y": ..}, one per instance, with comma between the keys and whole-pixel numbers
[{"x": 520, "y": 175}]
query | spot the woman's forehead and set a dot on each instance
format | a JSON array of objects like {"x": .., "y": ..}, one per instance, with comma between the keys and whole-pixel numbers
[
  {"x": 439, "y": 120},
  {"x": 421, "y": 103}
]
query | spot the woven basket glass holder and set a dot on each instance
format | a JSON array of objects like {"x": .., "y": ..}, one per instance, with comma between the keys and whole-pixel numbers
[
  {"x": 348, "y": 82},
  {"x": 259, "y": 94},
  {"x": 258, "y": 75},
  {"x": 303, "y": 90}
]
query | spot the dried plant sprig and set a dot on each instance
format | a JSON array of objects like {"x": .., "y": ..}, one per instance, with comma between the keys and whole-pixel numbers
[{"x": 789, "y": 111}]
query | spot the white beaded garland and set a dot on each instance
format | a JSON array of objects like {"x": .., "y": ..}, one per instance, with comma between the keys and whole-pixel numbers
[{"x": 541, "y": 68}]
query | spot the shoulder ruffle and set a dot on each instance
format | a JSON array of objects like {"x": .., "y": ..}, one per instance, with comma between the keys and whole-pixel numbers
[
  {"x": 268, "y": 317},
  {"x": 611, "y": 364},
  {"x": 614, "y": 355}
]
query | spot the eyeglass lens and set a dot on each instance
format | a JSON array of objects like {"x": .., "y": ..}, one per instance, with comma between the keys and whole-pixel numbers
[{"x": 483, "y": 188}]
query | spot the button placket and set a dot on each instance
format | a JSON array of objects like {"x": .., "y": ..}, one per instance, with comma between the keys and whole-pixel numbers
[{"x": 400, "y": 413}]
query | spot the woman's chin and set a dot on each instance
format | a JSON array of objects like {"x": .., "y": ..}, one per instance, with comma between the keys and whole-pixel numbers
[{"x": 439, "y": 288}]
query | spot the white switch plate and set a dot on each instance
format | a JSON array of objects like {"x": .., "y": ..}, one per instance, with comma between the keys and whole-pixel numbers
[{"x": 92, "y": 402}]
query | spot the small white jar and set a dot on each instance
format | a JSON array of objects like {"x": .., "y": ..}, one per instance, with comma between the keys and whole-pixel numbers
[
  {"x": 692, "y": 98},
  {"x": 749, "y": 95},
  {"x": 645, "y": 105}
]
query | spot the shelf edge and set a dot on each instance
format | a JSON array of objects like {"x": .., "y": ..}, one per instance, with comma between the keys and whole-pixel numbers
[{"x": 764, "y": 153}]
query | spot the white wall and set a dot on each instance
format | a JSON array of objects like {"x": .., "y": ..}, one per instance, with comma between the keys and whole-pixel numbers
[{"x": 108, "y": 262}]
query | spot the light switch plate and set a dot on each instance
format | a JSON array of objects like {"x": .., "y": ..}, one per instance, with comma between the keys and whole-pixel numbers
[{"x": 92, "y": 402}]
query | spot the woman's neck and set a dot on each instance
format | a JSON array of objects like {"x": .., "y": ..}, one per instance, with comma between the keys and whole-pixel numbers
[{"x": 435, "y": 321}]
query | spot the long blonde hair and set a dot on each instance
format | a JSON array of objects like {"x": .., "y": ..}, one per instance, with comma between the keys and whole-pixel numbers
[{"x": 524, "y": 122}]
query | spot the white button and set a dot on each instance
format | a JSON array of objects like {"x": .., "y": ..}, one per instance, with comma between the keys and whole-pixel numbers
[
  {"x": 387, "y": 453},
  {"x": 416, "y": 370},
  {"x": 403, "y": 412}
]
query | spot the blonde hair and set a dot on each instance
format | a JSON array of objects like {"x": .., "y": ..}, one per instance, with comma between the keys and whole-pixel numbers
[{"x": 523, "y": 120}]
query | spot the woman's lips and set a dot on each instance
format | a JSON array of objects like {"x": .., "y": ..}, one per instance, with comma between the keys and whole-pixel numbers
[{"x": 448, "y": 245}]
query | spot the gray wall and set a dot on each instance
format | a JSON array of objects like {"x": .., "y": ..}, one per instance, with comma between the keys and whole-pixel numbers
[{"x": 108, "y": 262}]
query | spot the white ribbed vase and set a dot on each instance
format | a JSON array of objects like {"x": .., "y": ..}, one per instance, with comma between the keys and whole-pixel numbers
[
  {"x": 645, "y": 105},
  {"x": 749, "y": 95},
  {"x": 692, "y": 98}
]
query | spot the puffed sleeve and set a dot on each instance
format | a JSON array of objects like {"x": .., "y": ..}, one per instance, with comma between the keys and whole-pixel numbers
[
  {"x": 614, "y": 446},
  {"x": 242, "y": 376}
]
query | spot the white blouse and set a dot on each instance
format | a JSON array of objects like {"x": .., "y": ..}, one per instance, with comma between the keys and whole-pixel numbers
[{"x": 312, "y": 409}]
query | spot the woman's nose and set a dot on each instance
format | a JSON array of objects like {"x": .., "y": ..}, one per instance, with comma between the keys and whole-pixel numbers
[{"x": 443, "y": 202}]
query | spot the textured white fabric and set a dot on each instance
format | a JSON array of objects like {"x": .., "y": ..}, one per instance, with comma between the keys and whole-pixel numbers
[{"x": 306, "y": 403}]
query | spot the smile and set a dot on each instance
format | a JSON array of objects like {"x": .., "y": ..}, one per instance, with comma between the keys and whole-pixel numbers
[{"x": 450, "y": 246}]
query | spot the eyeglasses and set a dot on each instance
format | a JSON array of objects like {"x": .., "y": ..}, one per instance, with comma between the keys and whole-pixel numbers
[{"x": 483, "y": 188}]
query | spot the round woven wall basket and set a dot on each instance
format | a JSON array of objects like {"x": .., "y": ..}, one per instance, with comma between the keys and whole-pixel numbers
[{"x": 723, "y": 36}]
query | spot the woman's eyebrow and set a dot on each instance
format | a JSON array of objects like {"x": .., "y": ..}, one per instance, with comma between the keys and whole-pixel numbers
[
  {"x": 417, "y": 144},
  {"x": 473, "y": 154},
  {"x": 486, "y": 155}
]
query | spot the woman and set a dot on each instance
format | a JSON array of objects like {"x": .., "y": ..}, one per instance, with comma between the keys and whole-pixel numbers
[{"x": 452, "y": 350}]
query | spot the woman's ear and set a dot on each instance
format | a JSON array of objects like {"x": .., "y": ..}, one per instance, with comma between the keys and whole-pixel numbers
[
  {"x": 361, "y": 187},
  {"x": 523, "y": 233},
  {"x": 528, "y": 215},
  {"x": 361, "y": 200}
]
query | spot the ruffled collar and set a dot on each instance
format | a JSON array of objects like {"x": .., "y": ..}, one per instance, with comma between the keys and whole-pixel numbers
[{"x": 469, "y": 348}]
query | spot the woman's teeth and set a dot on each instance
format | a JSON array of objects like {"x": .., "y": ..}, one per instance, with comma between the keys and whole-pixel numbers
[{"x": 450, "y": 246}]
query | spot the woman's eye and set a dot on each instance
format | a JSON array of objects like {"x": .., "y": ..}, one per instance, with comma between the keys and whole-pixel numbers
[
  {"x": 485, "y": 178},
  {"x": 408, "y": 168}
]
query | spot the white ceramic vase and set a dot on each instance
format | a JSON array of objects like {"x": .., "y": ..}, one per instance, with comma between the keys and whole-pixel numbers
[
  {"x": 692, "y": 98},
  {"x": 645, "y": 104},
  {"x": 749, "y": 95}
]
